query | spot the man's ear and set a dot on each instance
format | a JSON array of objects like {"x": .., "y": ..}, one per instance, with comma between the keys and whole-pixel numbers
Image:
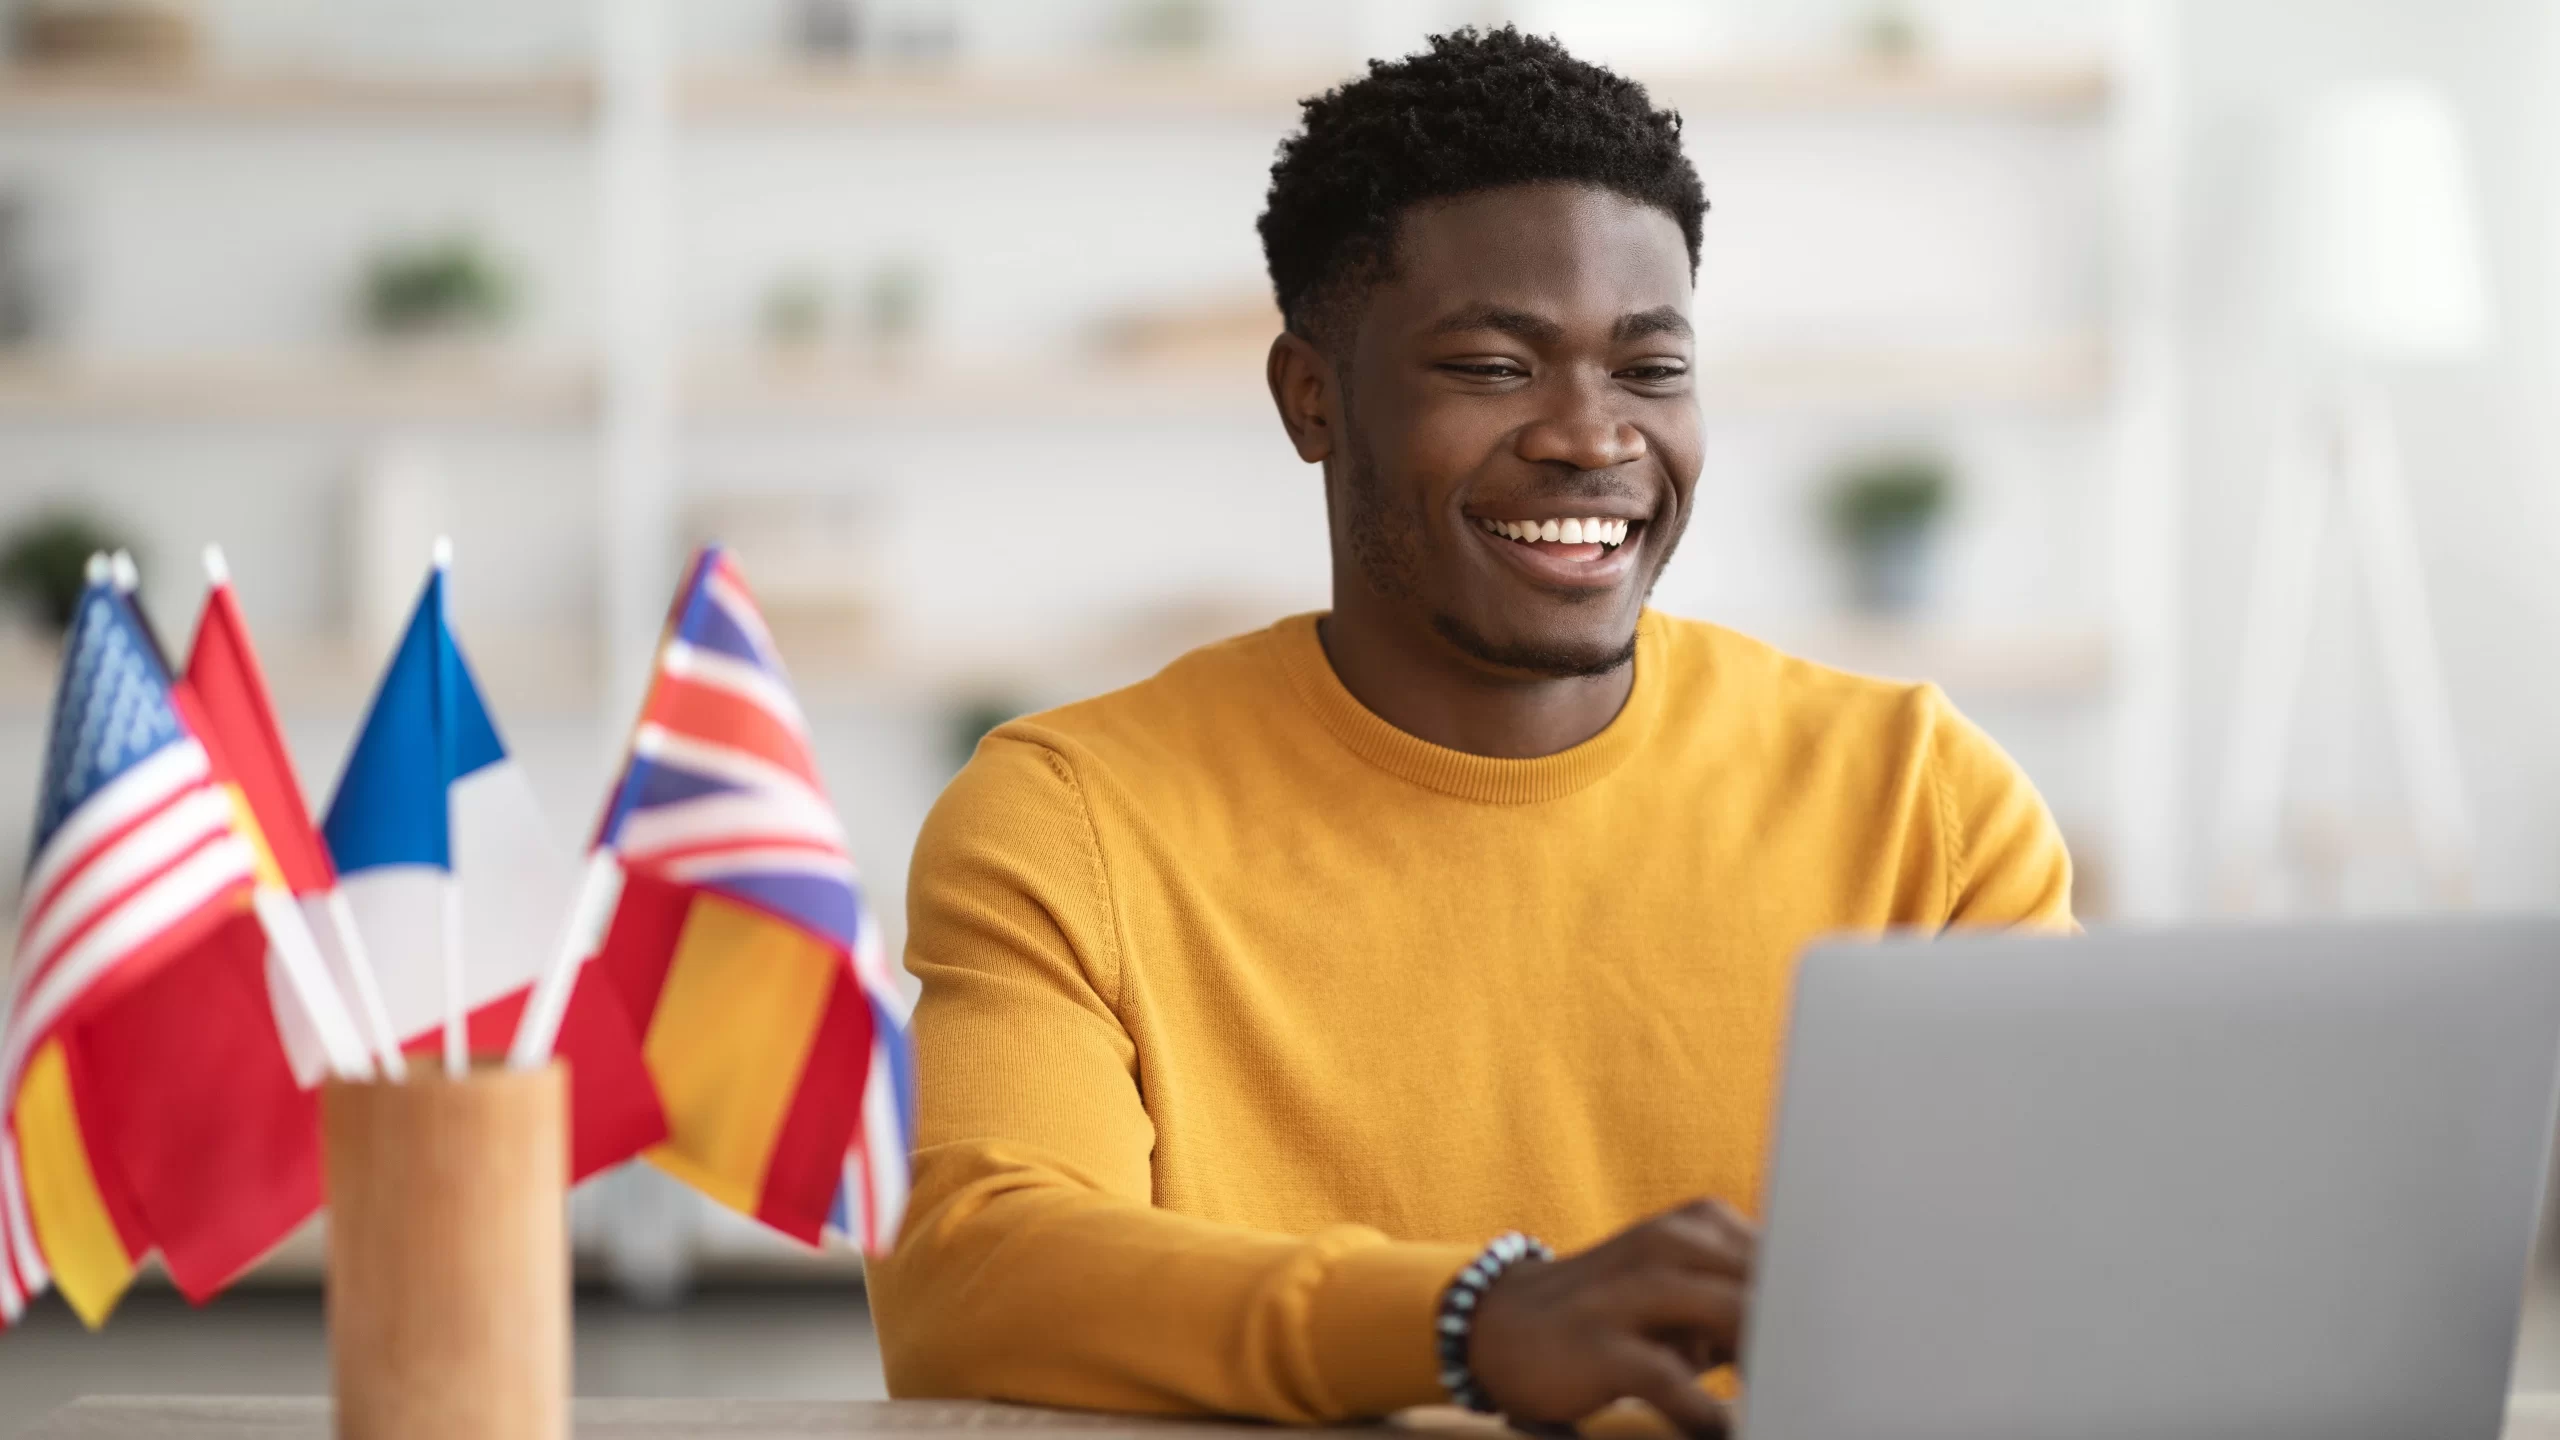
[{"x": 1301, "y": 382}]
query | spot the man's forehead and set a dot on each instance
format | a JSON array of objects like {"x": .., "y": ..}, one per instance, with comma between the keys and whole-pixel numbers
[{"x": 1549, "y": 251}]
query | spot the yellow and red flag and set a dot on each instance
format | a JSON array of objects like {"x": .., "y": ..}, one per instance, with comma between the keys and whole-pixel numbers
[{"x": 224, "y": 693}]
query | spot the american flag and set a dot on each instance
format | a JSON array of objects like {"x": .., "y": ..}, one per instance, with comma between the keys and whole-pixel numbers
[
  {"x": 135, "y": 847},
  {"x": 722, "y": 794}
]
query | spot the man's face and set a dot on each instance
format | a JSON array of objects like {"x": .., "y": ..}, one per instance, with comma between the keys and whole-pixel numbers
[{"x": 1527, "y": 365}]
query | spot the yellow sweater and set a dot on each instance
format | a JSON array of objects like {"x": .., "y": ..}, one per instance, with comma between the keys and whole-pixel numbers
[{"x": 1248, "y": 1018}]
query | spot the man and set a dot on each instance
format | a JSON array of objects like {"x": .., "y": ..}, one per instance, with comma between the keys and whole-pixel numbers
[{"x": 1261, "y": 996}]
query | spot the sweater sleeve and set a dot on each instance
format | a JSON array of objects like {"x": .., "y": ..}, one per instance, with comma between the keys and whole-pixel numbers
[
  {"x": 1032, "y": 1265},
  {"x": 2003, "y": 854}
]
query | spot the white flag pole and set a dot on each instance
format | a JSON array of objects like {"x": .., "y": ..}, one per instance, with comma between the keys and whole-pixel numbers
[
  {"x": 599, "y": 889},
  {"x": 289, "y": 939},
  {"x": 457, "y": 1039},
  {"x": 359, "y": 968}
]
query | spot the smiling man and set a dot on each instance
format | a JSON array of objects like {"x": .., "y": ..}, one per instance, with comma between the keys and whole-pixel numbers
[{"x": 1270, "y": 1002}]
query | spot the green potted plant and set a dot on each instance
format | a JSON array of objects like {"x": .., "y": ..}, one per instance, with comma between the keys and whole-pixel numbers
[
  {"x": 44, "y": 566},
  {"x": 1885, "y": 511},
  {"x": 450, "y": 286}
]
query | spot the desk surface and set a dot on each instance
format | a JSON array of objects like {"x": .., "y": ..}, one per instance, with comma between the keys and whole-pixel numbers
[
  {"x": 2532, "y": 1417},
  {"x": 307, "y": 1418}
]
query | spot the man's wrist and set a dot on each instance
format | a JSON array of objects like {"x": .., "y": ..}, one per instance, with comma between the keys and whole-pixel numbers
[{"x": 1454, "y": 1326}]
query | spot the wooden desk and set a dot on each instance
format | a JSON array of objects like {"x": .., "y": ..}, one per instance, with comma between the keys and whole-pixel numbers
[
  {"x": 2532, "y": 1417},
  {"x": 307, "y": 1418}
]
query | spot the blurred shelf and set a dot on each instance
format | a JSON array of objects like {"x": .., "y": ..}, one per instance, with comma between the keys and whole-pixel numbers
[
  {"x": 2019, "y": 662},
  {"x": 352, "y": 387},
  {"x": 530, "y": 673},
  {"x": 2080, "y": 89},
  {"x": 835, "y": 389},
  {"x": 1151, "y": 88},
  {"x": 369, "y": 387},
  {"x": 123, "y": 91},
  {"x": 1210, "y": 88},
  {"x": 1831, "y": 378}
]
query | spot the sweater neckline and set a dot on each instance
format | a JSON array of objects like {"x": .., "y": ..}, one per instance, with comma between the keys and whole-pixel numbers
[{"x": 1486, "y": 778}]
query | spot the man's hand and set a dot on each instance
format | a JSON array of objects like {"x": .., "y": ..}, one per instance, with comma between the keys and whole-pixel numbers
[{"x": 1642, "y": 1314}]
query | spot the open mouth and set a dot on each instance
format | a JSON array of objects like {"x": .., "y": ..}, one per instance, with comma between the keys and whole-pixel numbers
[
  {"x": 1582, "y": 554},
  {"x": 1578, "y": 539}
]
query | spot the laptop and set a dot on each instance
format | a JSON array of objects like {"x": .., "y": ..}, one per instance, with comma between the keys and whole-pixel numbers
[{"x": 2266, "y": 1182}]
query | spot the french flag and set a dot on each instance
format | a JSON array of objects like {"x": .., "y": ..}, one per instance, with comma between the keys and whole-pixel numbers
[{"x": 459, "y": 892}]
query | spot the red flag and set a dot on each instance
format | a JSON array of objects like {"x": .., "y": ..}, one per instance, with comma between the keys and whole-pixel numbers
[
  {"x": 230, "y": 691},
  {"x": 225, "y": 698},
  {"x": 186, "y": 1079}
]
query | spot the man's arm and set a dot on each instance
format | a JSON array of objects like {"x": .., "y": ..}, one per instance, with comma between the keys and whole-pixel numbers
[
  {"x": 1032, "y": 1265},
  {"x": 2000, "y": 853}
]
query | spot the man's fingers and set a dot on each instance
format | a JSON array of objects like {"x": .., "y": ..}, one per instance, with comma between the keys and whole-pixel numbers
[
  {"x": 1693, "y": 1238},
  {"x": 1662, "y": 1380},
  {"x": 1687, "y": 1301},
  {"x": 1724, "y": 1218}
]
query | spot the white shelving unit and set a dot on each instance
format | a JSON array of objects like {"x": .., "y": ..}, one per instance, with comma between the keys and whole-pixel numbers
[
  {"x": 364, "y": 389},
  {"x": 75, "y": 93}
]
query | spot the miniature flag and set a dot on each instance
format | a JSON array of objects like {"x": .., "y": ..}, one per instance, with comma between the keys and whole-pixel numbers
[
  {"x": 738, "y": 933},
  {"x": 224, "y": 697},
  {"x": 447, "y": 868},
  {"x": 137, "y": 888}
]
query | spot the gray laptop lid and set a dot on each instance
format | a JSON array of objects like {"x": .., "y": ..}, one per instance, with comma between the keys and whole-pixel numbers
[{"x": 2263, "y": 1182}]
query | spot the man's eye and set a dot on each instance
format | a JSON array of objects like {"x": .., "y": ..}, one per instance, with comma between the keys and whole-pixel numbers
[
  {"x": 1485, "y": 369},
  {"x": 1654, "y": 374}
]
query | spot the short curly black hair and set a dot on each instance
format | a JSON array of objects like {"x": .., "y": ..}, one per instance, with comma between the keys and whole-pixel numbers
[{"x": 1477, "y": 110}]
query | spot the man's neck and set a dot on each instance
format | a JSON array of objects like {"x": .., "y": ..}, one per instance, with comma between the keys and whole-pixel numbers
[{"x": 1418, "y": 682}]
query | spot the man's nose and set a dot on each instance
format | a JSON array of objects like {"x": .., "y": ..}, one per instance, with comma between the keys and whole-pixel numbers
[{"x": 1582, "y": 430}]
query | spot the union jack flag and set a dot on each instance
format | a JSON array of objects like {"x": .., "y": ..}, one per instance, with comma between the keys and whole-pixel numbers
[
  {"x": 136, "y": 851},
  {"x": 721, "y": 798}
]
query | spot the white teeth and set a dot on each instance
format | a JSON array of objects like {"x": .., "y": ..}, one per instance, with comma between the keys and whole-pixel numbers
[{"x": 1581, "y": 531}]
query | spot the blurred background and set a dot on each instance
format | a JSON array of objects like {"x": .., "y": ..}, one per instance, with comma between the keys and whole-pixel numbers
[{"x": 2171, "y": 380}]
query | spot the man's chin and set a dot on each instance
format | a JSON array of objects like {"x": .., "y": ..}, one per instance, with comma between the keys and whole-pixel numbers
[{"x": 1578, "y": 657}]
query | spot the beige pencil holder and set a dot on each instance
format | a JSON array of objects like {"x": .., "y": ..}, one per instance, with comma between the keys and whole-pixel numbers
[{"x": 449, "y": 1255}]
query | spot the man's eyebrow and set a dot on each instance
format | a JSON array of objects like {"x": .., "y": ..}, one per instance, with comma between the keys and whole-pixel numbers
[
  {"x": 1660, "y": 320},
  {"x": 1520, "y": 324}
]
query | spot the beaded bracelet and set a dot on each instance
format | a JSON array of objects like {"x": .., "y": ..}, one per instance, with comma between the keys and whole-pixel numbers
[{"x": 1458, "y": 1313}]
